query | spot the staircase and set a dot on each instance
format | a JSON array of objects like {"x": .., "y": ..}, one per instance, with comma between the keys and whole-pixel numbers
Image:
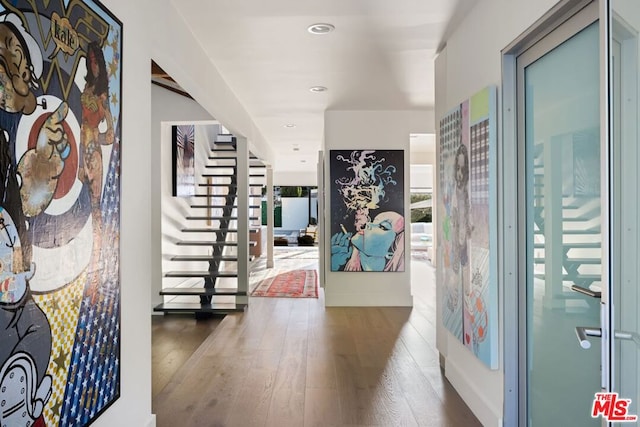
[
  {"x": 211, "y": 283},
  {"x": 578, "y": 222}
]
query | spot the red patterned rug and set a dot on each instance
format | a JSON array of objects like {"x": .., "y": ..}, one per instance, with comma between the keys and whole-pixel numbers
[{"x": 291, "y": 284}]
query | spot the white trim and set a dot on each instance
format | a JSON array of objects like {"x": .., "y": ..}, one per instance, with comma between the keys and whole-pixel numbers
[
  {"x": 152, "y": 421},
  {"x": 510, "y": 203},
  {"x": 474, "y": 398}
]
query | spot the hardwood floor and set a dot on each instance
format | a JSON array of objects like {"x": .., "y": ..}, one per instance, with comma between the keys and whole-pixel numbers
[
  {"x": 293, "y": 362},
  {"x": 174, "y": 339}
]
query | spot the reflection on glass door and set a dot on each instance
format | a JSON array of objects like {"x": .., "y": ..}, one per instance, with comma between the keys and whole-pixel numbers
[
  {"x": 559, "y": 85},
  {"x": 625, "y": 216}
]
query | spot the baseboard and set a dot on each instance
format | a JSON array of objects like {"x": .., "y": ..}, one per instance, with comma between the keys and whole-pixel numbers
[
  {"x": 367, "y": 299},
  {"x": 474, "y": 398},
  {"x": 152, "y": 421}
]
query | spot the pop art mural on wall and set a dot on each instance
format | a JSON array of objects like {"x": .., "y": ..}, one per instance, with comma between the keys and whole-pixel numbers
[
  {"x": 467, "y": 221},
  {"x": 60, "y": 126},
  {"x": 367, "y": 210}
]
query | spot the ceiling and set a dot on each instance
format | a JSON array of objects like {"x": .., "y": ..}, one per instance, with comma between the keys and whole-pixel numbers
[{"x": 379, "y": 57}]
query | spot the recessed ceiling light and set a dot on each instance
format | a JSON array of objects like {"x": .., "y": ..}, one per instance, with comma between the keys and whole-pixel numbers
[
  {"x": 290, "y": 125},
  {"x": 318, "y": 89},
  {"x": 296, "y": 149},
  {"x": 320, "y": 28}
]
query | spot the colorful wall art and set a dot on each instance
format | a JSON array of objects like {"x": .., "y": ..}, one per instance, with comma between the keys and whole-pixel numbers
[
  {"x": 367, "y": 210},
  {"x": 467, "y": 221},
  {"x": 184, "y": 172},
  {"x": 60, "y": 128}
]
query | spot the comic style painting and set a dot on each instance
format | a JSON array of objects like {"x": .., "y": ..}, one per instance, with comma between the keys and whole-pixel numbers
[
  {"x": 367, "y": 210},
  {"x": 60, "y": 127},
  {"x": 467, "y": 221},
  {"x": 184, "y": 173}
]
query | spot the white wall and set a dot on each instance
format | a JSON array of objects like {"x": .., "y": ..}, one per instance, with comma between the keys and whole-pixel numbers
[
  {"x": 470, "y": 61},
  {"x": 371, "y": 130},
  {"x": 308, "y": 178},
  {"x": 153, "y": 29},
  {"x": 173, "y": 47},
  {"x": 295, "y": 213},
  {"x": 168, "y": 108},
  {"x": 421, "y": 176},
  {"x": 133, "y": 408},
  {"x": 423, "y": 157}
]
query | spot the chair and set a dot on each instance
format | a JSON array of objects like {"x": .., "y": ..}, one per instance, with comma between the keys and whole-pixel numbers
[{"x": 310, "y": 230}]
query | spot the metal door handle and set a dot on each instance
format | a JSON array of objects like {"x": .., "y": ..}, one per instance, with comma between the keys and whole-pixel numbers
[
  {"x": 583, "y": 332},
  {"x": 586, "y": 291}
]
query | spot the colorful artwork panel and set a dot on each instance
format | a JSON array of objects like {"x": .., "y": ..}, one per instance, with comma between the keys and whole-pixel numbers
[
  {"x": 467, "y": 220},
  {"x": 448, "y": 261},
  {"x": 367, "y": 210},
  {"x": 60, "y": 137}
]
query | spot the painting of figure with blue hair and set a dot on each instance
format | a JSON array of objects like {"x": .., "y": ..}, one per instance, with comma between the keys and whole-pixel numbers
[{"x": 367, "y": 210}]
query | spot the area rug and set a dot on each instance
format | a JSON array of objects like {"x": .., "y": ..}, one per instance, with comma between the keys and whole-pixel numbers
[{"x": 290, "y": 284}]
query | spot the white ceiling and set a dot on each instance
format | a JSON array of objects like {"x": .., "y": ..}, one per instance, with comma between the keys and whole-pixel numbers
[{"x": 380, "y": 57}]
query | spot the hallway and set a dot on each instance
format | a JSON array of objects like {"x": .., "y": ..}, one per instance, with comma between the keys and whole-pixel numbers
[{"x": 293, "y": 362}]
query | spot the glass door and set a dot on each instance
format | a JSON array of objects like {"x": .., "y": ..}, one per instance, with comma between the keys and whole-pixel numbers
[
  {"x": 625, "y": 156},
  {"x": 558, "y": 82}
]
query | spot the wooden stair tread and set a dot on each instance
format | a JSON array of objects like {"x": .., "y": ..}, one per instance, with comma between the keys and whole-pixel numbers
[
  {"x": 222, "y": 206},
  {"x": 207, "y": 258},
  {"x": 217, "y": 218},
  {"x": 225, "y": 138},
  {"x": 203, "y": 258},
  {"x": 194, "y": 307},
  {"x": 575, "y": 232},
  {"x": 228, "y": 175},
  {"x": 573, "y": 277},
  {"x": 577, "y": 218},
  {"x": 204, "y": 243},
  {"x": 209, "y": 243},
  {"x": 215, "y": 230},
  {"x": 580, "y": 245},
  {"x": 574, "y": 260},
  {"x": 202, "y": 291},
  {"x": 221, "y": 184},
  {"x": 254, "y": 158},
  {"x": 215, "y": 196},
  {"x": 204, "y": 273}
]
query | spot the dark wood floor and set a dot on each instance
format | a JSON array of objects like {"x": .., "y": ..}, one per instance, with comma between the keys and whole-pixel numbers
[{"x": 293, "y": 362}]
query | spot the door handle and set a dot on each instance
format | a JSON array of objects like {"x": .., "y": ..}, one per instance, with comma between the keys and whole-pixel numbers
[
  {"x": 582, "y": 332},
  {"x": 586, "y": 291}
]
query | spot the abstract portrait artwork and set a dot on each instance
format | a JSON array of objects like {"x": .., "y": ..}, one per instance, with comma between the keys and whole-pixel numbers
[
  {"x": 467, "y": 221},
  {"x": 60, "y": 131},
  {"x": 367, "y": 210},
  {"x": 184, "y": 174}
]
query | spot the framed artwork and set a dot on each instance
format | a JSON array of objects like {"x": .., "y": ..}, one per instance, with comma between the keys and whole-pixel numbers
[
  {"x": 60, "y": 144},
  {"x": 184, "y": 174},
  {"x": 367, "y": 210},
  {"x": 466, "y": 221}
]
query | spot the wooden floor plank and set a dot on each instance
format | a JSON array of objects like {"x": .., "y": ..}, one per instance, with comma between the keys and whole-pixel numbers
[
  {"x": 322, "y": 408},
  {"x": 293, "y": 362},
  {"x": 287, "y": 408}
]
